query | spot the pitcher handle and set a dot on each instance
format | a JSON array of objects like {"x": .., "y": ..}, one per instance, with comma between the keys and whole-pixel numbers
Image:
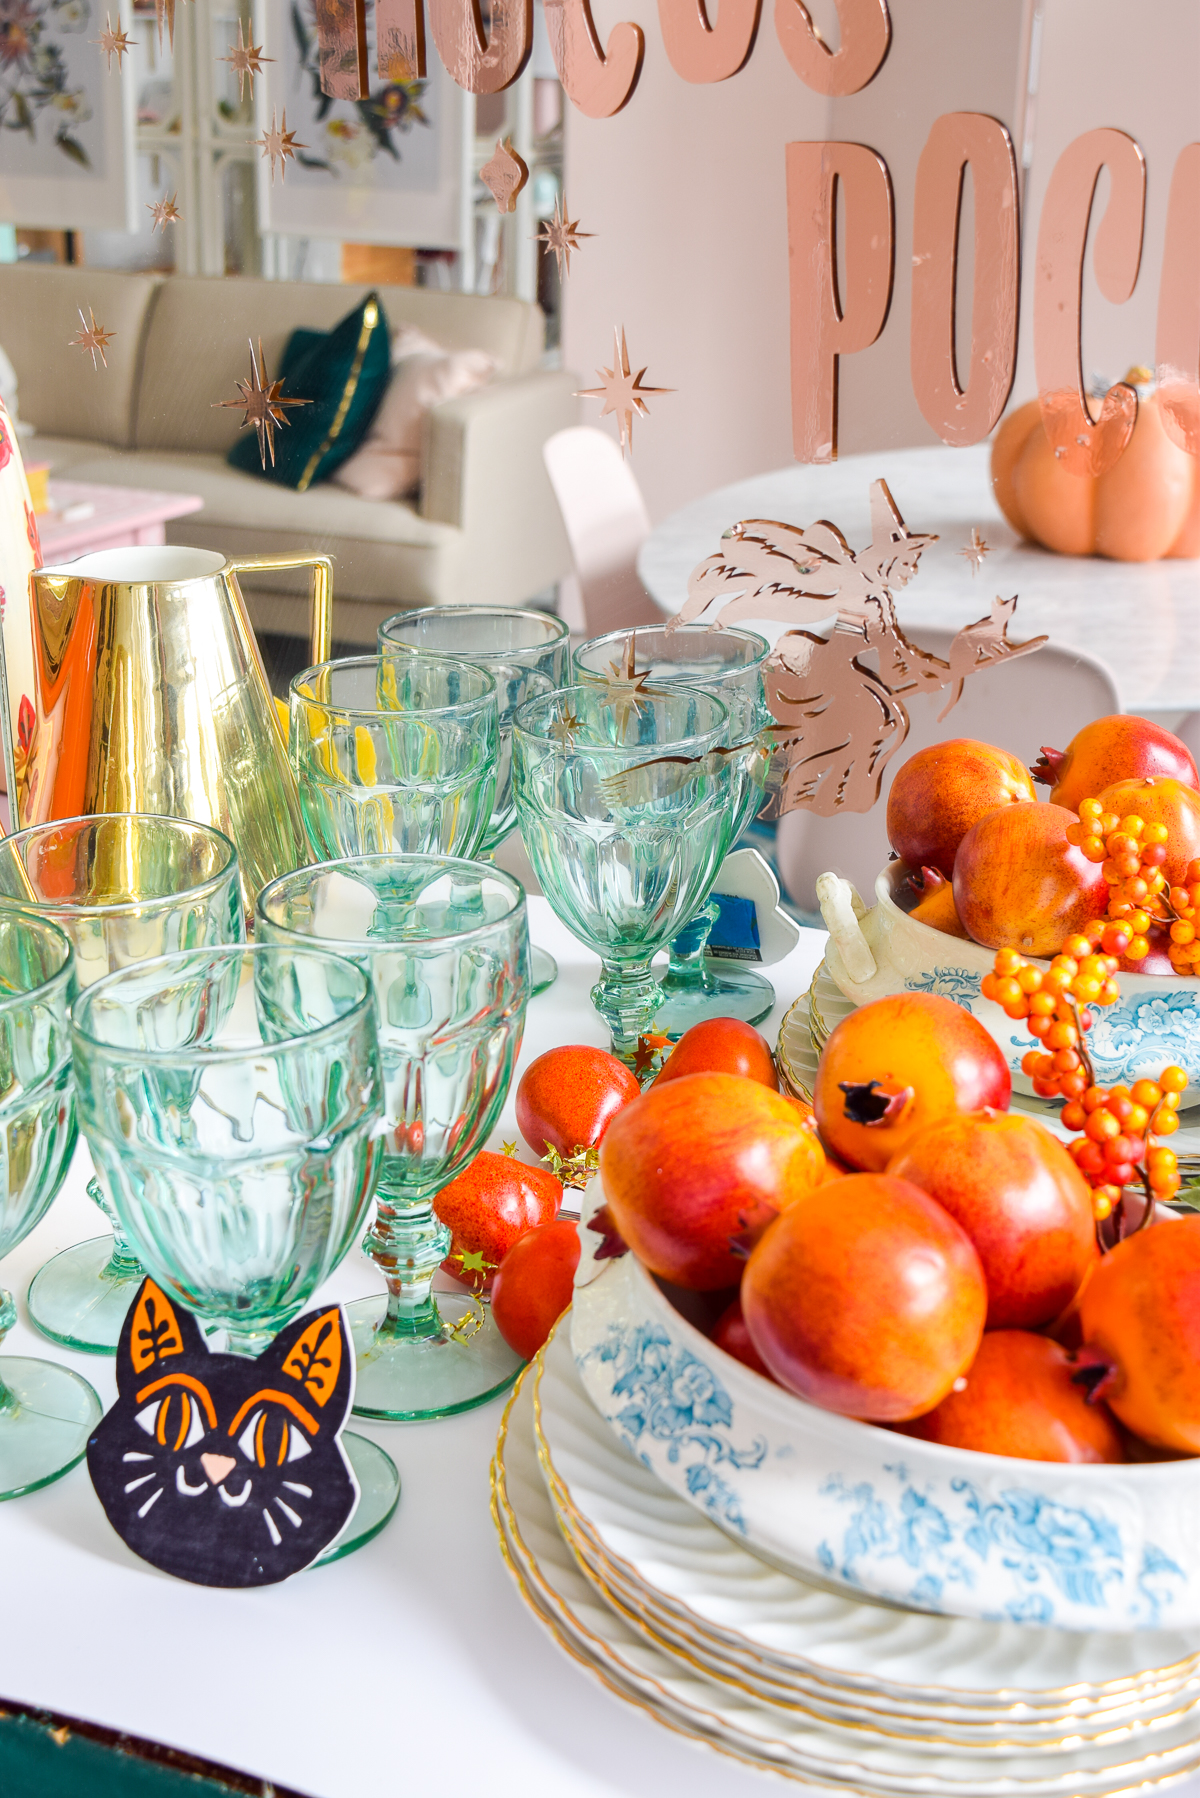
[
  {"x": 843, "y": 910},
  {"x": 320, "y": 615}
]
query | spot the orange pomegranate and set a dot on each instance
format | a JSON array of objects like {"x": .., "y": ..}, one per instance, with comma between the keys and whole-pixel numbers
[
  {"x": 941, "y": 791},
  {"x": 1140, "y": 1320},
  {"x": 1019, "y": 884},
  {"x": 1159, "y": 801},
  {"x": 1119, "y": 747},
  {"x": 1019, "y": 1397},
  {"x": 936, "y": 905},
  {"x": 897, "y": 1065},
  {"x": 721, "y": 1046}
]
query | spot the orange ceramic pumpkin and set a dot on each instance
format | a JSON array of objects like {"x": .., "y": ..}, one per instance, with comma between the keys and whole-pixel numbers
[{"x": 1147, "y": 506}]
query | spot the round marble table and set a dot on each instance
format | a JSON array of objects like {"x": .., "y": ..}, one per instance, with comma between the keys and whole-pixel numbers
[{"x": 1142, "y": 619}]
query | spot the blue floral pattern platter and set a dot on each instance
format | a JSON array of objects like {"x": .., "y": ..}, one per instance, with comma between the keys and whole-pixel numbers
[
  {"x": 886, "y": 1516},
  {"x": 884, "y": 950}
]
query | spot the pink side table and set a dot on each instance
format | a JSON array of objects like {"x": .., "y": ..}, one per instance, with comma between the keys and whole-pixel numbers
[{"x": 85, "y": 516}]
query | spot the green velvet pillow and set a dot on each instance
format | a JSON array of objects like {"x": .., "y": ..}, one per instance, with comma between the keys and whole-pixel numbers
[{"x": 344, "y": 372}]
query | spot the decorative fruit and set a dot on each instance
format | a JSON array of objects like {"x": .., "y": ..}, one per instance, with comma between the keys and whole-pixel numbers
[
  {"x": 867, "y": 1298},
  {"x": 721, "y": 1046},
  {"x": 899, "y": 1064},
  {"x": 534, "y": 1285},
  {"x": 732, "y": 1335},
  {"x": 936, "y": 905},
  {"x": 495, "y": 1200},
  {"x": 1020, "y": 883},
  {"x": 1143, "y": 508},
  {"x": 1147, "y": 912},
  {"x": 694, "y": 1170},
  {"x": 1018, "y": 1397},
  {"x": 1140, "y": 1315},
  {"x": 1119, "y": 747},
  {"x": 941, "y": 791},
  {"x": 568, "y": 1096},
  {"x": 1161, "y": 801},
  {"x": 1022, "y": 1201}
]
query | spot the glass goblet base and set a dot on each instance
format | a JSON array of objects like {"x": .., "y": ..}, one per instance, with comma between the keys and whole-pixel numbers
[
  {"x": 405, "y": 1378},
  {"x": 731, "y": 992},
  {"x": 543, "y": 970},
  {"x": 47, "y": 1414},
  {"x": 80, "y": 1298},
  {"x": 378, "y": 1496}
]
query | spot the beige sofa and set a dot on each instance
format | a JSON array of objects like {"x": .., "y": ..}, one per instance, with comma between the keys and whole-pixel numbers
[{"x": 484, "y": 528}]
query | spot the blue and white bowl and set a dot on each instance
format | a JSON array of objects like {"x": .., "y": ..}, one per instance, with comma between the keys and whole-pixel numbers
[
  {"x": 935, "y": 1529},
  {"x": 1156, "y": 1021}
]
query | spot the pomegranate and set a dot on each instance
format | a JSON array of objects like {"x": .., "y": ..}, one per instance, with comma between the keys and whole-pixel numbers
[
  {"x": 1139, "y": 1316},
  {"x": 1120, "y": 747},
  {"x": 568, "y": 1096},
  {"x": 1019, "y": 883},
  {"x": 1019, "y": 1398},
  {"x": 721, "y": 1046},
  {"x": 940, "y": 792}
]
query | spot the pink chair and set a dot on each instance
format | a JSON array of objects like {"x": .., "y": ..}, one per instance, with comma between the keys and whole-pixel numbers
[{"x": 606, "y": 524}]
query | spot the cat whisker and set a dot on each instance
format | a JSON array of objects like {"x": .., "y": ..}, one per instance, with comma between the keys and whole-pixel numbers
[
  {"x": 134, "y": 1484},
  {"x": 134, "y": 1456},
  {"x": 271, "y": 1524},
  {"x": 154, "y": 1496},
  {"x": 288, "y": 1512},
  {"x": 294, "y": 1486}
]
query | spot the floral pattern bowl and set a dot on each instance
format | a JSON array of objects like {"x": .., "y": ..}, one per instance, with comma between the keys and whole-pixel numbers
[
  {"x": 887, "y": 1516},
  {"x": 1155, "y": 1022}
]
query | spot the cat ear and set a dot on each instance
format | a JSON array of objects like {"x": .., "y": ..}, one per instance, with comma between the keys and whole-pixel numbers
[
  {"x": 155, "y": 1331},
  {"x": 315, "y": 1356}
]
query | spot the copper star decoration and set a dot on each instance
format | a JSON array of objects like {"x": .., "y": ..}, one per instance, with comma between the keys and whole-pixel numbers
[
  {"x": 624, "y": 688},
  {"x": 113, "y": 43},
  {"x": 504, "y": 175},
  {"x": 976, "y": 550},
  {"x": 164, "y": 213},
  {"x": 246, "y": 61},
  {"x": 164, "y": 10},
  {"x": 93, "y": 337},
  {"x": 622, "y": 391},
  {"x": 278, "y": 143},
  {"x": 264, "y": 407},
  {"x": 563, "y": 729},
  {"x": 562, "y": 234}
]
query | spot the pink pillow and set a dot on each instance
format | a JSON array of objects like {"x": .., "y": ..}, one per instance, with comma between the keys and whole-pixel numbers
[{"x": 387, "y": 464}]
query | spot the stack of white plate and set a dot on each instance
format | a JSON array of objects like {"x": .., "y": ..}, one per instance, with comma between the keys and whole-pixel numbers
[{"x": 782, "y": 1672}]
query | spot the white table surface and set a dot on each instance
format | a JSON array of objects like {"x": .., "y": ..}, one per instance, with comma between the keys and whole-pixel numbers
[{"x": 1142, "y": 619}]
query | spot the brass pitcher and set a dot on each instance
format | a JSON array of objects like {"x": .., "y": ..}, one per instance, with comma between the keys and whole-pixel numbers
[{"x": 150, "y": 696}]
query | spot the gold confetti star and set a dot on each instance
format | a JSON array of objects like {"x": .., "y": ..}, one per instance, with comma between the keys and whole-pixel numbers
[
  {"x": 113, "y": 43},
  {"x": 624, "y": 688},
  {"x": 622, "y": 391},
  {"x": 509, "y": 1148},
  {"x": 246, "y": 61},
  {"x": 976, "y": 550},
  {"x": 563, "y": 729},
  {"x": 164, "y": 213},
  {"x": 93, "y": 337},
  {"x": 562, "y": 235},
  {"x": 278, "y": 143},
  {"x": 264, "y": 407},
  {"x": 504, "y": 175}
]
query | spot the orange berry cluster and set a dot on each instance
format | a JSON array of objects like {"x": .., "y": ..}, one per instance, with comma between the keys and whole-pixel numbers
[
  {"x": 1132, "y": 854},
  {"x": 1048, "y": 1001},
  {"x": 1115, "y": 1149}
]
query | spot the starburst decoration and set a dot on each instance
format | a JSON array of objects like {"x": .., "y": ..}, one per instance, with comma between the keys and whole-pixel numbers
[
  {"x": 113, "y": 43},
  {"x": 246, "y": 61},
  {"x": 164, "y": 213},
  {"x": 563, "y": 729},
  {"x": 976, "y": 550},
  {"x": 624, "y": 687},
  {"x": 278, "y": 143},
  {"x": 164, "y": 12},
  {"x": 92, "y": 337},
  {"x": 562, "y": 234},
  {"x": 622, "y": 391},
  {"x": 504, "y": 175},
  {"x": 649, "y": 1050},
  {"x": 509, "y": 1148},
  {"x": 262, "y": 403}
]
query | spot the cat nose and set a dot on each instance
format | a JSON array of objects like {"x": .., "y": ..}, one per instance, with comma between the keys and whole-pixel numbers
[{"x": 218, "y": 1467}]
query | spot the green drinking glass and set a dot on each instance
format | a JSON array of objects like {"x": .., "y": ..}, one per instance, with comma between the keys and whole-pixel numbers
[
  {"x": 446, "y": 946},
  {"x": 395, "y": 754},
  {"x": 728, "y": 663},
  {"x": 125, "y": 887},
  {"x": 626, "y": 806},
  {"x": 230, "y": 1098},
  {"x": 526, "y": 653},
  {"x": 47, "y": 1412}
]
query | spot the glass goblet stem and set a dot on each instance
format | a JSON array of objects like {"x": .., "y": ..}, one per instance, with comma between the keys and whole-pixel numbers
[
  {"x": 627, "y": 997},
  {"x": 9, "y": 1403},
  {"x": 685, "y": 966},
  {"x": 123, "y": 1263},
  {"x": 408, "y": 1244}
]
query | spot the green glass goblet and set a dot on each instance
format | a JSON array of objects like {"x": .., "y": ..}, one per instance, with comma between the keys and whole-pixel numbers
[
  {"x": 395, "y": 754},
  {"x": 626, "y": 806},
  {"x": 47, "y": 1412},
  {"x": 446, "y": 946},
  {"x": 231, "y": 1098},
  {"x": 729, "y": 664},
  {"x": 125, "y": 887},
  {"x": 526, "y": 653}
]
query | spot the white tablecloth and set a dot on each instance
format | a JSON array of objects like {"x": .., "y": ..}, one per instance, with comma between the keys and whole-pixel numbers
[{"x": 411, "y": 1662}]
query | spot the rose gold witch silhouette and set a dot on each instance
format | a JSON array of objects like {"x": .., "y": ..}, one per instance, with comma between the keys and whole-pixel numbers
[{"x": 839, "y": 719}]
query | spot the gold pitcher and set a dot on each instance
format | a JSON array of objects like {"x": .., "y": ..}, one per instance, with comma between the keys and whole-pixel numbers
[{"x": 150, "y": 696}]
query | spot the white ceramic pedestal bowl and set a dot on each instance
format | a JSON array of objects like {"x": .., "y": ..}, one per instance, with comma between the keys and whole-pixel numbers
[
  {"x": 1155, "y": 1022},
  {"x": 936, "y": 1529}
]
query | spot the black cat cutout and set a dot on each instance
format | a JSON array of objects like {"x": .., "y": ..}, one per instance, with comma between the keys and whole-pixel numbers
[{"x": 220, "y": 1469}]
